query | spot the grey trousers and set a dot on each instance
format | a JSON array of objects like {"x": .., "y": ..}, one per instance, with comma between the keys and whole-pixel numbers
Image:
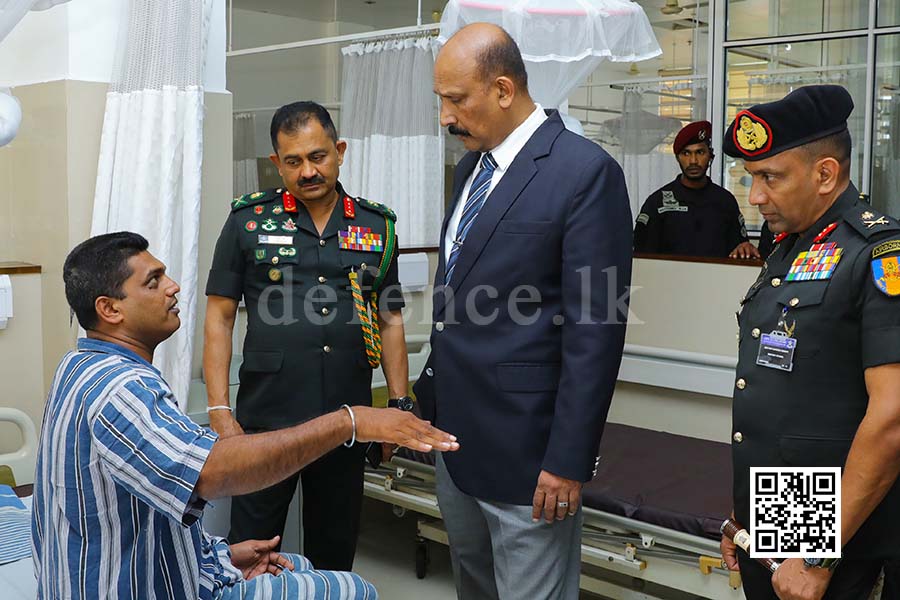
[{"x": 498, "y": 553}]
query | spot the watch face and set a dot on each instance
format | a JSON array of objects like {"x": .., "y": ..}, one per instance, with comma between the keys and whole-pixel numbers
[
  {"x": 405, "y": 403},
  {"x": 813, "y": 562}
]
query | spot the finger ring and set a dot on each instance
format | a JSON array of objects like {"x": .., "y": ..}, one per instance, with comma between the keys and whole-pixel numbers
[{"x": 562, "y": 504}]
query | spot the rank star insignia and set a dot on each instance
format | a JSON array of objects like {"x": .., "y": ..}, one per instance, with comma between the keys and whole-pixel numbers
[
  {"x": 287, "y": 251},
  {"x": 250, "y": 226},
  {"x": 256, "y": 195},
  {"x": 269, "y": 225},
  {"x": 289, "y": 225},
  {"x": 278, "y": 210},
  {"x": 258, "y": 209},
  {"x": 867, "y": 215}
]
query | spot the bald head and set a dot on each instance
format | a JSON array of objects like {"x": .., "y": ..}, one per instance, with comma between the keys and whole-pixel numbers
[{"x": 489, "y": 51}]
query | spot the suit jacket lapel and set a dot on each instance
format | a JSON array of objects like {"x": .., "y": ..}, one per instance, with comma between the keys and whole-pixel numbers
[
  {"x": 460, "y": 175},
  {"x": 521, "y": 171}
]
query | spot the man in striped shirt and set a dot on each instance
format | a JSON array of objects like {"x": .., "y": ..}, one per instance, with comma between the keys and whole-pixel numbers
[{"x": 123, "y": 476}]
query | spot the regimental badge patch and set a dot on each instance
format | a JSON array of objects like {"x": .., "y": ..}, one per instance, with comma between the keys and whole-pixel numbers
[
  {"x": 289, "y": 225},
  {"x": 886, "y": 273},
  {"x": 269, "y": 225},
  {"x": 819, "y": 262},
  {"x": 258, "y": 209},
  {"x": 360, "y": 238},
  {"x": 260, "y": 254},
  {"x": 752, "y": 135},
  {"x": 277, "y": 209},
  {"x": 287, "y": 251},
  {"x": 250, "y": 225}
]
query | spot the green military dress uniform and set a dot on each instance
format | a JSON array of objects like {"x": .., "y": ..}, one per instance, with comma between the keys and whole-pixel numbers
[
  {"x": 305, "y": 350},
  {"x": 304, "y": 353},
  {"x": 843, "y": 323}
]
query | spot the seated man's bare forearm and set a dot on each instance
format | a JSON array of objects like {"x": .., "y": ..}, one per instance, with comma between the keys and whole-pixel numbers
[{"x": 247, "y": 463}]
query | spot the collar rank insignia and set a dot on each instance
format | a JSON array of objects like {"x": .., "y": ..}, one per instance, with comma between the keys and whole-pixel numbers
[
  {"x": 886, "y": 273},
  {"x": 289, "y": 202},
  {"x": 752, "y": 135},
  {"x": 289, "y": 225},
  {"x": 817, "y": 263},
  {"x": 349, "y": 209},
  {"x": 360, "y": 239},
  {"x": 269, "y": 225}
]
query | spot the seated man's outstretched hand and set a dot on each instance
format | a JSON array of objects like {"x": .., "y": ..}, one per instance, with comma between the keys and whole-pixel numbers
[
  {"x": 255, "y": 557},
  {"x": 402, "y": 428}
]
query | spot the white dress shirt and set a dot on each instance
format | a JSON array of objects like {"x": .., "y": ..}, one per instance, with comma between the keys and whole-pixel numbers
[{"x": 504, "y": 154}]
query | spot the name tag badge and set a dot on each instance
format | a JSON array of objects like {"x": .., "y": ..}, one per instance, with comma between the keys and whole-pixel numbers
[
  {"x": 277, "y": 240},
  {"x": 776, "y": 351}
]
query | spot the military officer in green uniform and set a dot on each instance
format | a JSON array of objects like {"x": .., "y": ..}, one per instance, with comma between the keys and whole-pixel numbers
[
  {"x": 818, "y": 373},
  {"x": 317, "y": 270}
]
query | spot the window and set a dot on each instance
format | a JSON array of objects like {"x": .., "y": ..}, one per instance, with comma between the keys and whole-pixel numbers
[
  {"x": 757, "y": 74},
  {"x": 754, "y": 19}
]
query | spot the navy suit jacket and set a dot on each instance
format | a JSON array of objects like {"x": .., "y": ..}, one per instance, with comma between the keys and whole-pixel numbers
[{"x": 526, "y": 383}]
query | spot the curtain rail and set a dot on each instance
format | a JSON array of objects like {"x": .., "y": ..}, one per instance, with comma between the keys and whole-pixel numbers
[{"x": 339, "y": 39}]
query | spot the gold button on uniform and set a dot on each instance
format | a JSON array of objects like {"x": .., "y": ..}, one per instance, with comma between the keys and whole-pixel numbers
[
  {"x": 755, "y": 333},
  {"x": 439, "y": 326},
  {"x": 794, "y": 301},
  {"x": 326, "y": 349},
  {"x": 740, "y": 383},
  {"x": 776, "y": 282},
  {"x": 738, "y": 437},
  {"x": 274, "y": 260}
]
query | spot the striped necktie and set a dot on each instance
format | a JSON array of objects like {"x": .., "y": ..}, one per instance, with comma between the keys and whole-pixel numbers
[{"x": 477, "y": 195}]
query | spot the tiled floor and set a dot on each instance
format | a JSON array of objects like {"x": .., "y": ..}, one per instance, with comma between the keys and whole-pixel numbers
[{"x": 386, "y": 557}]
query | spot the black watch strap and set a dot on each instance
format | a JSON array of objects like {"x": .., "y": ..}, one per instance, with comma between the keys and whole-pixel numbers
[{"x": 403, "y": 403}]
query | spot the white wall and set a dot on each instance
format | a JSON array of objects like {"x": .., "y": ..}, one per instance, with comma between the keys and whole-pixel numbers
[{"x": 78, "y": 41}]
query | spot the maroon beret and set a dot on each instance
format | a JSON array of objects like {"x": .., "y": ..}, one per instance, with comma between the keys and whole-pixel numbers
[{"x": 699, "y": 132}]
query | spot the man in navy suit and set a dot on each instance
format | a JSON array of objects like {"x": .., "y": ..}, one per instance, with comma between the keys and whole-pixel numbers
[{"x": 529, "y": 317}]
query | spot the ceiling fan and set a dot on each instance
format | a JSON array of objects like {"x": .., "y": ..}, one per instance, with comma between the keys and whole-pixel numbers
[{"x": 671, "y": 8}]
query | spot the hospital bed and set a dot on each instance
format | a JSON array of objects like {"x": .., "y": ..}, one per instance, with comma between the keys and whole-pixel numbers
[
  {"x": 652, "y": 514},
  {"x": 17, "y": 578}
]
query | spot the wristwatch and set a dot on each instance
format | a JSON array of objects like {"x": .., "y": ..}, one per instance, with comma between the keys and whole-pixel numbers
[
  {"x": 822, "y": 563},
  {"x": 403, "y": 403}
]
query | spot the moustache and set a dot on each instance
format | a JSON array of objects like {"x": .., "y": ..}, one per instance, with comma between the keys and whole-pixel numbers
[
  {"x": 311, "y": 181},
  {"x": 454, "y": 130}
]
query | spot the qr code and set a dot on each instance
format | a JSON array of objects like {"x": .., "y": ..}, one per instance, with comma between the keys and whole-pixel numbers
[{"x": 795, "y": 512}]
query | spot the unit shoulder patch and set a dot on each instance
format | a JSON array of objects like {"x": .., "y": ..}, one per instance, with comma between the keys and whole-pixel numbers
[
  {"x": 377, "y": 207},
  {"x": 886, "y": 274},
  {"x": 252, "y": 199}
]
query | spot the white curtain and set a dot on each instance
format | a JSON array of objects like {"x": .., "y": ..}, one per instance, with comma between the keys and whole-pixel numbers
[
  {"x": 148, "y": 176},
  {"x": 389, "y": 117},
  {"x": 246, "y": 172},
  {"x": 640, "y": 141}
]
